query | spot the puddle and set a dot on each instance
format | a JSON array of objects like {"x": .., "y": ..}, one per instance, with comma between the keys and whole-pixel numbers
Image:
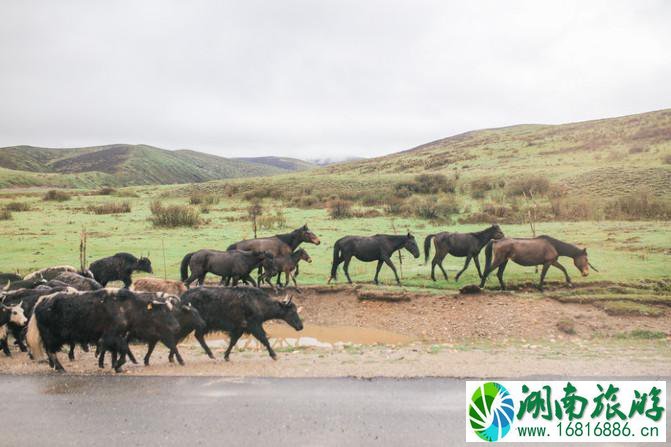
[{"x": 316, "y": 336}]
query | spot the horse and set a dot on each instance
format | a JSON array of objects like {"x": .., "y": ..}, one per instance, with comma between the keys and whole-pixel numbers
[
  {"x": 378, "y": 248},
  {"x": 278, "y": 245},
  {"x": 461, "y": 245},
  {"x": 231, "y": 264},
  {"x": 287, "y": 264},
  {"x": 541, "y": 250}
]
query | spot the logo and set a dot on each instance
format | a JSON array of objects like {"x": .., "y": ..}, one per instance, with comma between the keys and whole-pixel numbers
[{"x": 491, "y": 411}]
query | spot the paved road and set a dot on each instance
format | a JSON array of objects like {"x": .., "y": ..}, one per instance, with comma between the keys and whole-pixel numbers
[{"x": 117, "y": 410}]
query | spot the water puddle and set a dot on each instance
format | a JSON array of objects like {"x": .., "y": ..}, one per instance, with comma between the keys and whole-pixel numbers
[{"x": 317, "y": 336}]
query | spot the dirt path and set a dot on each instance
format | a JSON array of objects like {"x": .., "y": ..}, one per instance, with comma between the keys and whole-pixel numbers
[{"x": 490, "y": 335}]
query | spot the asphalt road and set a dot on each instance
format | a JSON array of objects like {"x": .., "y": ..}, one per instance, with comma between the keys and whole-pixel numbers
[{"x": 58, "y": 410}]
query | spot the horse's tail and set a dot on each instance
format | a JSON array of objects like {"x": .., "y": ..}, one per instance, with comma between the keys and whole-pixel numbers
[
  {"x": 488, "y": 254},
  {"x": 427, "y": 247},
  {"x": 336, "y": 256},
  {"x": 184, "y": 268}
]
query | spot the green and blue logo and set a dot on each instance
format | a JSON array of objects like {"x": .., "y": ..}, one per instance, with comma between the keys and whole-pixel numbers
[{"x": 491, "y": 411}]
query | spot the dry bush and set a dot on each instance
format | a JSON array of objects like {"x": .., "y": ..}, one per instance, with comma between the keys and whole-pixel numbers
[
  {"x": 575, "y": 208},
  {"x": 172, "y": 216},
  {"x": 667, "y": 159},
  {"x": 480, "y": 186},
  {"x": 5, "y": 214},
  {"x": 17, "y": 206},
  {"x": 339, "y": 209},
  {"x": 566, "y": 326},
  {"x": 366, "y": 213},
  {"x": 110, "y": 208},
  {"x": 56, "y": 195},
  {"x": 126, "y": 193},
  {"x": 272, "y": 221},
  {"x": 257, "y": 193},
  {"x": 426, "y": 184},
  {"x": 442, "y": 208},
  {"x": 308, "y": 201},
  {"x": 638, "y": 150},
  {"x": 531, "y": 185},
  {"x": 200, "y": 198},
  {"x": 106, "y": 191},
  {"x": 638, "y": 205},
  {"x": 394, "y": 206}
]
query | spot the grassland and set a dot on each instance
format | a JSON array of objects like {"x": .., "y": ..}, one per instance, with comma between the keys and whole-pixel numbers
[{"x": 48, "y": 234}]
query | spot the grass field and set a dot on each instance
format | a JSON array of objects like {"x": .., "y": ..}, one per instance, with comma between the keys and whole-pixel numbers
[{"x": 48, "y": 234}]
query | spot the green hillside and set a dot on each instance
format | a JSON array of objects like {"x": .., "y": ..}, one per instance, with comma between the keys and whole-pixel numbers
[
  {"x": 124, "y": 165},
  {"x": 604, "y": 156}
]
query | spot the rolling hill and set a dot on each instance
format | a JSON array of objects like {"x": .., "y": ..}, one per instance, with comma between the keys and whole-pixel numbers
[
  {"x": 124, "y": 165},
  {"x": 599, "y": 159}
]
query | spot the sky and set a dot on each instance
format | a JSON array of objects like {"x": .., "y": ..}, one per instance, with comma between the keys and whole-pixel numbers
[{"x": 316, "y": 79}]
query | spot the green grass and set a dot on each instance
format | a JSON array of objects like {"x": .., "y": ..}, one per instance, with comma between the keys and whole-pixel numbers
[{"x": 48, "y": 234}]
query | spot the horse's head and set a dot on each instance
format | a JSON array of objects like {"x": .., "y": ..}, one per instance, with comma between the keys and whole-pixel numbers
[
  {"x": 303, "y": 255},
  {"x": 411, "y": 245},
  {"x": 496, "y": 232},
  {"x": 582, "y": 263},
  {"x": 308, "y": 236}
]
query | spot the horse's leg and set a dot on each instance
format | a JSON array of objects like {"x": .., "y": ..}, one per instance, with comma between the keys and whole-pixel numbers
[
  {"x": 561, "y": 267},
  {"x": 499, "y": 274},
  {"x": 393, "y": 269},
  {"x": 440, "y": 257},
  {"x": 468, "y": 261},
  {"x": 476, "y": 260},
  {"x": 544, "y": 271},
  {"x": 496, "y": 262},
  {"x": 377, "y": 270},
  {"x": 345, "y": 268}
]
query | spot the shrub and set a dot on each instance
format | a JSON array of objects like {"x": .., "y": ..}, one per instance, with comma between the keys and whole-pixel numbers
[
  {"x": 427, "y": 184},
  {"x": 481, "y": 185},
  {"x": 308, "y": 201},
  {"x": 436, "y": 209},
  {"x": 5, "y": 214},
  {"x": 531, "y": 185},
  {"x": 110, "y": 208},
  {"x": 270, "y": 221},
  {"x": 106, "y": 191},
  {"x": 260, "y": 192},
  {"x": 199, "y": 198},
  {"x": 640, "y": 204},
  {"x": 56, "y": 195},
  {"x": 667, "y": 159},
  {"x": 575, "y": 208},
  {"x": 126, "y": 193},
  {"x": 339, "y": 209},
  {"x": 17, "y": 206},
  {"x": 172, "y": 216},
  {"x": 394, "y": 206}
]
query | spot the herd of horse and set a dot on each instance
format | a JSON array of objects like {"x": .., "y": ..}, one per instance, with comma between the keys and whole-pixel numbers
[{"x": 281, "y": 253}]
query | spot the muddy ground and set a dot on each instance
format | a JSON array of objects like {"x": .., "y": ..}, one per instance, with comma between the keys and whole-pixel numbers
[{"x": 453, "y": 335}]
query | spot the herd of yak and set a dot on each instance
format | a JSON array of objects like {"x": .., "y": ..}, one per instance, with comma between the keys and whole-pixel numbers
[{"x": 61, "y": 306}]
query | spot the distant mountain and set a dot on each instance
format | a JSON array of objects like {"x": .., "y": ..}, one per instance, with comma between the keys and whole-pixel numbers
[
  {"x": 284, "y": 163},
  {"x": 125, "y": 164},
  {"x": 326, "y": 161}
]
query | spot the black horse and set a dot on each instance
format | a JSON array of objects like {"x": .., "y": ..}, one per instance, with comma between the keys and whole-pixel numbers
[
  {"x": 371, "y": 248},
  {"x": 461, "y": 245}
]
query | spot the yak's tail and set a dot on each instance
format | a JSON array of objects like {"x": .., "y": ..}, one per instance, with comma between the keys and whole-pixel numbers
[
  {"x": 488, "y": 254},
  {"x": 184, "y": 269},
  {"x": 336, "y": 256},
  {"x": 427, "y": 247},
  {"x": 34, "y": 338}
]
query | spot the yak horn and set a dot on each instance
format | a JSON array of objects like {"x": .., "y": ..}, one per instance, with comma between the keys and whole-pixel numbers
[
  {"x": 593, "y": 268},
  {"x": 9, "y": 283},
  {"x": 299, "y": 310}
]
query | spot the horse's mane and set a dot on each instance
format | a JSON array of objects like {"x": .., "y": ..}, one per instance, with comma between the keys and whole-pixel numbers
[
  {"x": 563, "y": 248},
  {"x": 486, "y": 232}
]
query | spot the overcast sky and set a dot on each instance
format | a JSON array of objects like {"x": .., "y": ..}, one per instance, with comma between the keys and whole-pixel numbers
[{"x": 320, "y": 78}]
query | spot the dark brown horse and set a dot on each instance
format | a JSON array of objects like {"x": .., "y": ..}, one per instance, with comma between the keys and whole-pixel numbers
[
  {"x": 278, "y": 245},
  {"x": 372, "y": 248},
  {"x": 541, "y": 250},
  {"x": 461, "y": 245}
]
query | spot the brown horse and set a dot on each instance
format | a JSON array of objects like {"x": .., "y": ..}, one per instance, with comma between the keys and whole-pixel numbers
[
  {"x": 541, "y": 250},
  {"x": 279, "y": 245}
]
